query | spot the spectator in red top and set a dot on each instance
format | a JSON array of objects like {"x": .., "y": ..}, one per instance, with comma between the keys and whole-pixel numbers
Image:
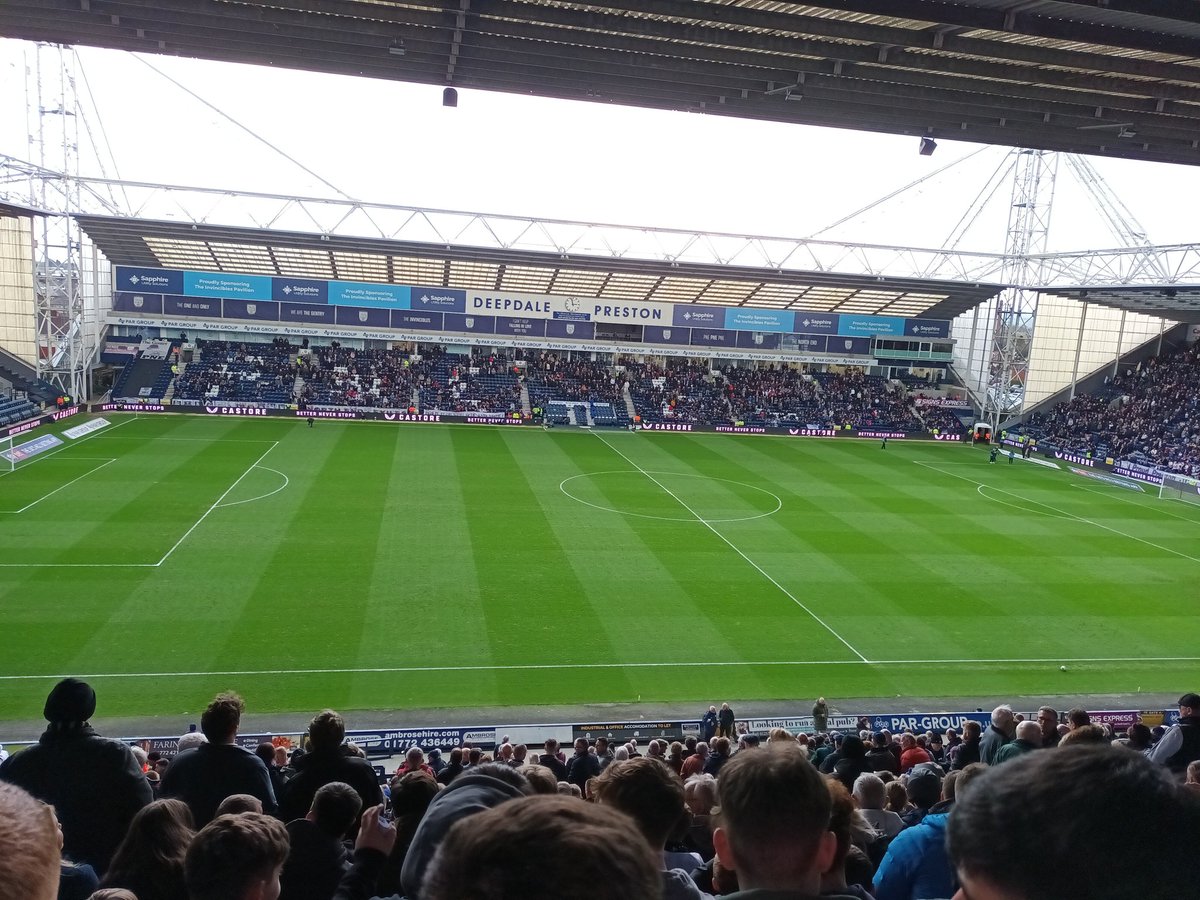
[
  {"x": 911, "y": 754},
  {"x": 414, "y": 761}
]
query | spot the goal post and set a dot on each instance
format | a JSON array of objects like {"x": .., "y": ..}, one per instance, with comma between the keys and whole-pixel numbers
[{"x": 1180, "y": 487}]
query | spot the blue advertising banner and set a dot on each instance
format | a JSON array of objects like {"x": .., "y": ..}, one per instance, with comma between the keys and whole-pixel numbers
[
  {"x": 377, "y": 296},
  {"x": 758, "y": 340},
  {"x": 927, "y": 328},
  {"x": 521, "y": 327},
  {"x": 161, "y": 281},
  {"x": 441, "y": 299},
  {"x": 300, "y": 290},
  {"x": 375, "y": 318},
  {"x": 188, "y": 306},
  {"x": 580, "y": 331},
  {"x": 226, "y": 284},
  {"x": 704, "y": 337},
  {"x": 139, "y": 303},
  {"x": 472, "y": 324},
  {"x": 892, "y": 326},
  {"x": 804, "y": 343},
  {"x": 261, "y": 310},
  {"x": 817, "y": 322},
  {"x": 656, "y": 334},
  {"x": 710, "y": 316},
  {"x": 425, "y": 321},
  {"x": 743, "y": 319},
  {"x": 306, "y": 313}
]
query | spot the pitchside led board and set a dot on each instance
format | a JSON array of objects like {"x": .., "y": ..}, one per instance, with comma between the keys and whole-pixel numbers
[{"x": 406, "y": 307}]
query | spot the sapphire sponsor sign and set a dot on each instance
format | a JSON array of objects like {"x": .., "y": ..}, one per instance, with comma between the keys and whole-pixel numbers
[
  {"x": 744, "y": 319},
  {"x": 308, "y": 313},
  {"x": 520, "y": 326},
  {"x": 425, "y": 321},
  {"x": 927, "y": 328},
  {"x": 891, "y": 326},
  {"x": 701, "y": 316},
  {"x": 190, "y": 306},
  {"x": 159, "y": 281},
  {"x": 580, "y": 331},
  {"x": 440, "y": 299},
  {"x": 372, "y": 294},
  {"x": 300, "y": 290},
  {"x": 132, "y": 301},
  {"x": 372, "y": 318},
  {"x": 262, "y": 310},
  {"x": 657, "y": 334},
  {"x": 226, "y": 284},
  {"x": 817, "y": 323}
]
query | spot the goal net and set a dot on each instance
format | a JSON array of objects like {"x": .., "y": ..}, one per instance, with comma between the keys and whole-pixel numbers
[{"x": 1179, "y": 487}]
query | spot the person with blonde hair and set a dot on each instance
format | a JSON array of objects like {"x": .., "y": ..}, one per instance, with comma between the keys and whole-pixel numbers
[{"x": 29, "y": 854}]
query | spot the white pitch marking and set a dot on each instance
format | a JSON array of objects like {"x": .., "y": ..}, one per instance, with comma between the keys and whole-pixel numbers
[
  {"x": 1115, "y": 496},
  {"x": 59, "y": 488},
  {"x": 49, "y": 453},
  {"x": 736, "y": 550},
  {"x": 1061, "y": 512},
  {"x": 635, "y": 665},
  {"x": 286, "y": 482},
  {"x": 196, "y": 524},
  {"x": 778, "y": 502}
]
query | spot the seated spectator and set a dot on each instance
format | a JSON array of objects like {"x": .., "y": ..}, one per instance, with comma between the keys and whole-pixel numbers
[
  {"x": 700, "y": 795},
  {"x": 150, "y": 860},
  {"x": 94, "y": 783},
  {"x": 1180, "y": 745},
  {"x": 694, "y": 764},
  {"x": 29, "y": 855},
  {"x": 775, "y": 817},
  {"x": 239, "y": 803},
  {"x": 482, "y": 787},
  {"x": 1041, "y": 828},
  {"x": 327, "y": 760},
  {"x": 205, "y": 776},
  {"x": 411, "y": 796},
  {"x": 897, "y": 798},
  {"x": 541, "y": 779},
  {"x": 317, "y": 859},
  {"x": 924, "y": 787},
  {"x": 652, "y": 795},
  {"x": 1028, "y": 739},
  {"x": 869, "y": 793},
  {"x": 880, "y": 757},
  {"x": 916, "y": 864},
  {"x": 543, "y": 848},
  {"x": 718, "y": 755},
  {"x": 967, "y": 751},
  {"x": 1084, "y": 734},
  {"x": 853, "y": 833},
  {"x": 911, "y": 754},
  {"x": 453, "y": 768},
  {"x": 414, "y": 761},
  {"x": 237, "y": 858}
]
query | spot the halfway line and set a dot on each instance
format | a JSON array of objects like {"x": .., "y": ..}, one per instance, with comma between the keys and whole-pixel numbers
[{"x": 735, "y": 549}]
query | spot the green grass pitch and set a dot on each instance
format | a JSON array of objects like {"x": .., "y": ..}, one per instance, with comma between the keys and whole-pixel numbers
[{"x": 374, "y": 566}]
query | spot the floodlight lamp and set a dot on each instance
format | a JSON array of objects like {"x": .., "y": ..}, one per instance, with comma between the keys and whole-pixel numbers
[
  {"x": 450, "y": 97},
  {"x": 928, "y": 145},
  {"x": 396, "y": 47}
]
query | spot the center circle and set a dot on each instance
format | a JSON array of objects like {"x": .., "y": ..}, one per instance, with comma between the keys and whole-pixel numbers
[{"x": 646, "y": 480}]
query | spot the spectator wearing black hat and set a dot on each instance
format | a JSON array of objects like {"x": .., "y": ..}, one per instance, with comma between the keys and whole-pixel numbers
[
  {"x": 1181, "y": 744},
  {"x": 94, "y": 783}
]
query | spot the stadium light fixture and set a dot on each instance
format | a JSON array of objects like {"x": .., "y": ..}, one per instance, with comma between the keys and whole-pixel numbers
[
  {"x": 396, "y": 47},
  {"x": 928, "y": 145},
  {"x": 450, "y": 97}
]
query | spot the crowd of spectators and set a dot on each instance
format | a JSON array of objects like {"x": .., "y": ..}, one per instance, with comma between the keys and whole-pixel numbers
[
  {"x": 685, "y": 391},
  {"x": 1020, "y": 810},
  {"x": 862, "y": 401},
  {"x": 553, "y": 376},
  {"x": 239, "y": 372},
  {"x": 772, "y": 395},
  {"x": 1149, "y": 415},
  {"x": 479, "y": 383},
  {"x": 381, "y": 379}
]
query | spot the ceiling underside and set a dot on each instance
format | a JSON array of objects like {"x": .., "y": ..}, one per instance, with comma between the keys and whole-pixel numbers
[
  {"x": 170, "y": 245},
  {"x": 1115, "y": 78},
  {"x": 1170, "y": 302}
]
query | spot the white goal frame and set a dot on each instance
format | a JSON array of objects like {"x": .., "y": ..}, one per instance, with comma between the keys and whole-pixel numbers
[{"x": 1179, "y": 487}]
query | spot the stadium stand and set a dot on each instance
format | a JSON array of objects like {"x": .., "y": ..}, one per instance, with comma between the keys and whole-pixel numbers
[
  {"x": 1066, "y": 773},
  {"x": 149, "y": 375},
  {"x": 15, "y": 409},
  {"x": 1149, "y": 415},
  {"x": 576, "y": 391},
  {"x": 482, "y": 383},
  {"x": 681, "y": 392},
  {"x": 239, "y": 373}
]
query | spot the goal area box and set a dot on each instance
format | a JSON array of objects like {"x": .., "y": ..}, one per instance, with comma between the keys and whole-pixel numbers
[{"x": 1179, "y": 487}]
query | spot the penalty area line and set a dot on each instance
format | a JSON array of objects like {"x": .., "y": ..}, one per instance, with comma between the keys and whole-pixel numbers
[{"x": 384, "y": 670}]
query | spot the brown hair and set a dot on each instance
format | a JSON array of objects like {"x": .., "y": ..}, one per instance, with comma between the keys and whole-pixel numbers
[
  {"x": 29, "y": 857},
  {"x": 150, "y": 859},
  {"x": 544, "y": 848},
  {"x": 222, "y": 716},
  {"x": 231, "y": 852},
  {"x": 327, "y": 730},
  {"x": 649, "y": 791}
]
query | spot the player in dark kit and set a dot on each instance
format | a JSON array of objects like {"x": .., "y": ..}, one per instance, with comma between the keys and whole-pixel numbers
[
  {"x": 310, "y": 421},
  {"x": 992, "y": 456}
]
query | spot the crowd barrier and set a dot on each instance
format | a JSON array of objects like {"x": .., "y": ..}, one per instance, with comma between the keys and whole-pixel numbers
[{"x": 383, "y": 742}]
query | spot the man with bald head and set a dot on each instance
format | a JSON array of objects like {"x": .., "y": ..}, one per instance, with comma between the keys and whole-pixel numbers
[
  {"x": 1000, "y": 732},
  {"x": 1029, "y": 738}
]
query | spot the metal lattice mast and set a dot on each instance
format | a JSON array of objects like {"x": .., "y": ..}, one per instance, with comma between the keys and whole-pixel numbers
[
  {"x": 1014, "y": 312},
  {"x": 65, "y": 330}
]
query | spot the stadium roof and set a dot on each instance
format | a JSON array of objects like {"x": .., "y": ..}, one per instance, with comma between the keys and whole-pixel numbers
[
  {"x": 1171, "y": 302},
  {"x": 1110, "y": 77},
  {"x": 173, "y": 245}
]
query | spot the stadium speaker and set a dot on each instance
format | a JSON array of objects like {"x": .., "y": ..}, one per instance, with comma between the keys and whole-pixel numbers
[
  {"x": 449, "y": 97},
  {"x": 928, "y": 145}
]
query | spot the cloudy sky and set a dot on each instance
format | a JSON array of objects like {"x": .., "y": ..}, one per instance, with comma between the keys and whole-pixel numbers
[{"x": 394, "y": 143}]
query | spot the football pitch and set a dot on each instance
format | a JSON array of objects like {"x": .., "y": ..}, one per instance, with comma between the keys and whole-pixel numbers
[{"x": 376, "y": 566}]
